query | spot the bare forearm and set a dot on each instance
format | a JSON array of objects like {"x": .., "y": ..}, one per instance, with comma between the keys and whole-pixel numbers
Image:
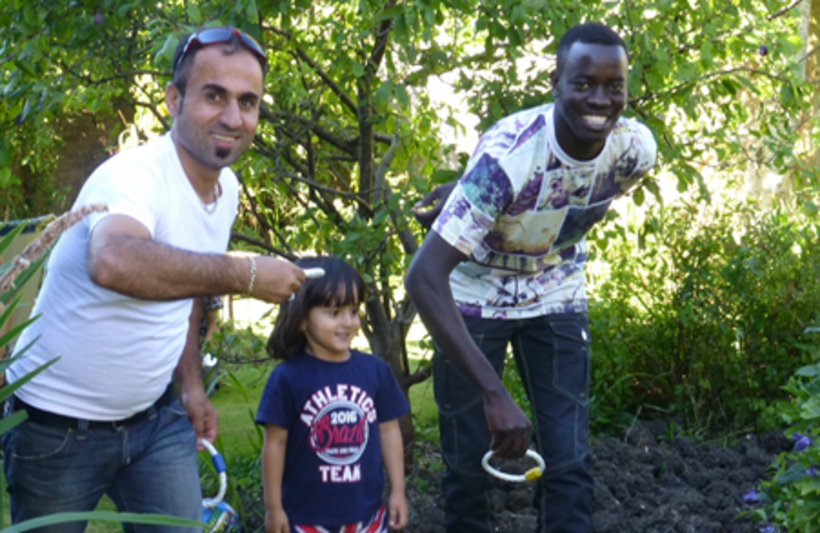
[
  {"x": 143, "y": 268},
  {"x": 189, "y": 368},
  {"x": 273, "y": 466},
  {"x": 433, "y": 298},
  {"x": 428, "y": 285},
  {"x": 393, "y": 454}
]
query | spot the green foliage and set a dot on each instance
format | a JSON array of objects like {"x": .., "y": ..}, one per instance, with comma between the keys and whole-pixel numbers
[
  {"x": 102, "y": 516},
  {"x": 792, "y": 497},
  {"x": 701, "y": 311},
  {"x": 349, "y": 133}
]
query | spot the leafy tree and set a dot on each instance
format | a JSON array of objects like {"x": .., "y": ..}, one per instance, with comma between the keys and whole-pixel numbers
[{"x": 349, "y": 137}]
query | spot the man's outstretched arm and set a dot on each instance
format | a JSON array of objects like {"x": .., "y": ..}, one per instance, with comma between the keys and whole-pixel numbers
[
  {"x": 123, "y": 257},
  {"x": 428, "y": 285}
]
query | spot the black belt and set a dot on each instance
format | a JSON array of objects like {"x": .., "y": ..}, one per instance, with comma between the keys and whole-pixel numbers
[{"x": 47, "y": 418}]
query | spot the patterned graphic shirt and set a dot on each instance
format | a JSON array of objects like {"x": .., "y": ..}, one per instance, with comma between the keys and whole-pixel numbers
[{"x": 522, "y": 209}]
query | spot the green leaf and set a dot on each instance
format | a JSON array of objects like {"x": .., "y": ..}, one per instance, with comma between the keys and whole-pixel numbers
[
  {"x": 811, "y": 409},
  {"x": 497, "y": 29},
  {"x": 638, "y": 196},
  {"x": 5, "y": 152},
  {"x": 30, "y": 14},
  {"x": 122, "y": 9},
  {"x": 384, "y": 92},
  {"x": 391, "y": 12},
  {"x": 102, "y": 516},
  {"x": 461, "y": 5},
  {"x": 195, "y": 14},
  {"x": 166, "y": 53},
  {"x": 12, "y": 420},
  {"x": 380, "y": 216},
  {"x": 9, "y": 389},
  {"x": 400, "y": 29},
  {"x": 25, "y": 275},
  {"x": 252, "y": 12},
  {"x": 515, "y": 37},
  {"x": 9, "y": 237},
  {"x": 653, "y": 188},
  {"x": 748, "y": 84},
  {"x": 25, "y": 67},
  {"x": 402, "y": 97},
  {"x": 443, "y": 176},
  {"x": 787, "y": 95},
  {"x": 808, "y": 371}
]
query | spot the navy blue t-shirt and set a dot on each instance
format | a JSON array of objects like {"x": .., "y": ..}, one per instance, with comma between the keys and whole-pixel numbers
[{"x": 332, "y": 411}]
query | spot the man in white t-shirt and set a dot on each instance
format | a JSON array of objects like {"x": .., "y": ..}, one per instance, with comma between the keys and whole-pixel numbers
[
  {"x": 119, "y": 305},
  {"x": 503, "y": 266}
]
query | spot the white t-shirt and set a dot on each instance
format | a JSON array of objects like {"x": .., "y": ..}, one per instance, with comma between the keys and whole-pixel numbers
[{"x": 117, "y": 353}]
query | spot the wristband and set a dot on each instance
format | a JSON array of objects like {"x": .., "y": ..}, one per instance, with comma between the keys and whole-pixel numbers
[{"x": 252, "y": 263}]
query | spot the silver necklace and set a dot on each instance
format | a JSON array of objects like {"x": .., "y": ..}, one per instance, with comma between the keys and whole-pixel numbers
[{"x": 210, "y": 208}]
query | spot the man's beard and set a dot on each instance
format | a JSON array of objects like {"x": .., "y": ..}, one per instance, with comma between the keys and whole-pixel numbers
[{"x": 222, "y": 153}]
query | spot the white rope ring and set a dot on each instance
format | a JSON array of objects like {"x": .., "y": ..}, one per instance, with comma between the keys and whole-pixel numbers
[
  {"x": 530, "y": 475},
  {"x": 219, "y": 466}
]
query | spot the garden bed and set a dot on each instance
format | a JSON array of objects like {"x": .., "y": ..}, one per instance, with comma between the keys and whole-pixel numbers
[{"x": 645, "y": 481}]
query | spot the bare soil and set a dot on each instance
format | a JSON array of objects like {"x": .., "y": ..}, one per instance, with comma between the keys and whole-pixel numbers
[{"x": 645, "y": 482}]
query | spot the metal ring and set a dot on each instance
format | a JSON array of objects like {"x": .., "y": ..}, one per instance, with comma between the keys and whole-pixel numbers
[{"x": 529, "y": 475}]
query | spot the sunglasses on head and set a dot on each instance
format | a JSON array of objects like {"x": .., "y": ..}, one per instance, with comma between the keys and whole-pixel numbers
[{"x": 210, "y": 36}]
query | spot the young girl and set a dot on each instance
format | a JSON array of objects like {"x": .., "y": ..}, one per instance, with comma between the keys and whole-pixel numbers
[{"x": 330, "y": 415}]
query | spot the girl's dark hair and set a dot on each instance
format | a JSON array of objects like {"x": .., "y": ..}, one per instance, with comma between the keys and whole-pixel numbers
[{"x": 341, "y": 285}]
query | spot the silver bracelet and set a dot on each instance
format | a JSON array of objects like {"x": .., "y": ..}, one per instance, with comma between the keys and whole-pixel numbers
[{"x": 252, "y": 261}]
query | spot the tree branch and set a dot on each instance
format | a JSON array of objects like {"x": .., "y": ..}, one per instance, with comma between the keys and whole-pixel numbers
[{"x": 301, "y": 54}]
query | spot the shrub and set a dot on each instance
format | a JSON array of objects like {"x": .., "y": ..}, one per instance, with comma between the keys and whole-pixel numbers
[
  {"x": 792, "y": 497},
  {"x": 700, "y": 314}
]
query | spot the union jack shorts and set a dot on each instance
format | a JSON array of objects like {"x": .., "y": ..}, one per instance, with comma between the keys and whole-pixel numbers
[{"x": 377, "y": 524}]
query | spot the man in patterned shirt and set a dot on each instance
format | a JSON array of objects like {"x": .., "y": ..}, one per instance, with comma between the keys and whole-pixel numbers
[{"x": 504, "y": 265}]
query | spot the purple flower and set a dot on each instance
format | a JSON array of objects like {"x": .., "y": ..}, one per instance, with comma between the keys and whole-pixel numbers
[
  {"x": 751, "y": 497},
  {"x": 801, "y": 442},
  {"x": 768, "y": 529},
  {"x": 763, "y": 50},
  {"x": 812, "y": 471}
]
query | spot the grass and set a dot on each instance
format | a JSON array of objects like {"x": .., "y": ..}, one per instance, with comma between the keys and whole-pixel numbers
[{"x": 237, "y": 399}]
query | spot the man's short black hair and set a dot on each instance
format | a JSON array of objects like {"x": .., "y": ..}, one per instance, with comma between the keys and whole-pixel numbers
[
  {"x": 182, "y": 70},
  {"x": 589, "y": 33}
]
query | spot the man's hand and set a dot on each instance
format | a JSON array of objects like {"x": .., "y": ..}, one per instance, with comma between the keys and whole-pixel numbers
[
  {"x": 276, "y": 279},
  {"x": 201, "y": 413},
  {"x": 435, "y": 200},
  {"x": 508, "y": 425}
]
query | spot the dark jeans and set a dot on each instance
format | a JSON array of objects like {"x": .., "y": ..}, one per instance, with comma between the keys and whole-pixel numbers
[
  {"x": 148, "y": 467},
  {"x": 552, "y": 357}
]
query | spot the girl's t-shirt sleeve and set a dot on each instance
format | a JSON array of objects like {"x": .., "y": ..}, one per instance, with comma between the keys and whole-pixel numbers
[{"x": 276, "y": 406}]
